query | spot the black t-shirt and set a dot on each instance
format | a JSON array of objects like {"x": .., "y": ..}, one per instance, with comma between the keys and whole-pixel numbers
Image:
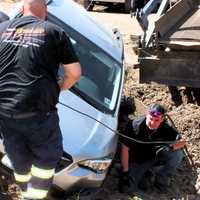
[
  {"x": 137, "y": 129},
  {"x": 31, "y": 51}
]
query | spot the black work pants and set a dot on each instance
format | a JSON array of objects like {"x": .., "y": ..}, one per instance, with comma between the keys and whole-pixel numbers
[
  {"x": 170, "y": 161},
  {"x": 34, "y": 146}
]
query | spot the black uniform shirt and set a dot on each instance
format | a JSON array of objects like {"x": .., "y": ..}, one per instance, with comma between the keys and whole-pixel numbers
[
  {"x": 31, "y": 51},
  {"x": 137, "y": 129}
]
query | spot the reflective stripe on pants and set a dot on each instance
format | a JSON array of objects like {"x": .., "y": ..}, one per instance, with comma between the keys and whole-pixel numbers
[
  {"x": 33, "y": 193},
  {"x": 42, "y": 173},
  {"x": 35, "y": 185},
  {"x": 22, "y": 180},
  {"x": 22, "y": 177}
]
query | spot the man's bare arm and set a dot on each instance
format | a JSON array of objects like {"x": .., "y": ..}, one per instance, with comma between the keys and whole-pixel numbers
[
  {"x": 180, "y": 144},
  {"x": 124, "y": 158},
  {"x": 72, "y": 73}
]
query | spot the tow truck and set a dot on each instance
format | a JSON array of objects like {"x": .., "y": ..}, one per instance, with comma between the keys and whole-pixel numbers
[{"x": 169, "y": 49}]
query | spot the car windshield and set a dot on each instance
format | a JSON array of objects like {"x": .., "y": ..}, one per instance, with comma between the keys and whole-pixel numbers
[
  {"x": 100, "y": 76},
  {"x": 99, "y": 84}
]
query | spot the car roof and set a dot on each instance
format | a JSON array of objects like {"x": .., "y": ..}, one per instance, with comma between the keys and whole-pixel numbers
[{"x": 79, "y": 19}]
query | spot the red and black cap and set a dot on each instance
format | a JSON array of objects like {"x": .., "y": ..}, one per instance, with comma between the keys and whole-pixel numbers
[{"x": 156, "y": 110}]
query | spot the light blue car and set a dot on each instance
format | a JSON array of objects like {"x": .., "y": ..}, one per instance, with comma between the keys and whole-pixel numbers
[{"x": 89, "y": 111}]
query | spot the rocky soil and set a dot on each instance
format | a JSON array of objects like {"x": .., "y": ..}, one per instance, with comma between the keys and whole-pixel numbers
[{"x": 184, "y": 110}]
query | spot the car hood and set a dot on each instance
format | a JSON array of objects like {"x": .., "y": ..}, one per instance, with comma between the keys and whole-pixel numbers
[{"x": 82, "y": 134}]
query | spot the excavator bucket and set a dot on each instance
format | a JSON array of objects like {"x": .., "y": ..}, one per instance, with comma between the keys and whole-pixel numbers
[{"x": 173, "y": 58}]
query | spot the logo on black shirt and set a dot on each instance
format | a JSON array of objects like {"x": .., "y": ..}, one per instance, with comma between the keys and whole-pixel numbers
[{"x": 24, "y": 37}]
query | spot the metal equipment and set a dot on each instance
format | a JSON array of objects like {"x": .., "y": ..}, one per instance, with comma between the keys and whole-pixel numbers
[{"x": 169, "y": 51}]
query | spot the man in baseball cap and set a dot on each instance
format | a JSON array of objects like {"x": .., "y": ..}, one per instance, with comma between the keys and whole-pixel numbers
[{"x": 148, "y": 141}]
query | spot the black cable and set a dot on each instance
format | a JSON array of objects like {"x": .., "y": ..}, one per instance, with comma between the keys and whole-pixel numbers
[{"x": 117, "y": 132}]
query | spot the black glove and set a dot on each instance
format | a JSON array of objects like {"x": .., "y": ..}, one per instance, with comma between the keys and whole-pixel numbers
[{"x": 126, "y": 183}]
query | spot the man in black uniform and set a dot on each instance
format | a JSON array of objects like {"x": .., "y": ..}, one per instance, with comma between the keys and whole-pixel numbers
[
  {"x": 137, "y": 157},
  {"x": 31, "y": 50}
]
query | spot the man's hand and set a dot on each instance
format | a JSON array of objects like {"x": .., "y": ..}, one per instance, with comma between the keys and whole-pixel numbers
[{"x": 179, "y": 144}]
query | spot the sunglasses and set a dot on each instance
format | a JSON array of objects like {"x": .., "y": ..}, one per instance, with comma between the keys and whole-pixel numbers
[{"x": 155, "y": 113}]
